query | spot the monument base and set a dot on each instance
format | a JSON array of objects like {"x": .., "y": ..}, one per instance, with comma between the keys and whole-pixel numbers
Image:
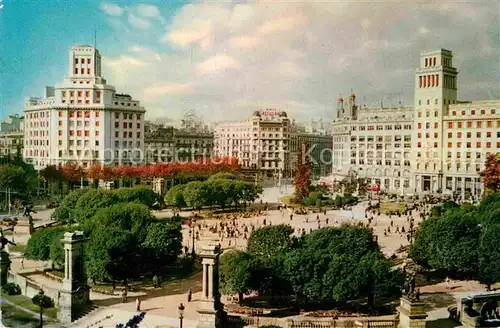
[
  {"x": 72, "y": 304},
  {"x": 411, "y": 313},
  {"x": 210, "y": 318}
]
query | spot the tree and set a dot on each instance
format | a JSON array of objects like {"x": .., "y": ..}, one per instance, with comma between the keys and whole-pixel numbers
[
  {"x": 302, "y": 179},
  {"x": 12, "y": 177},
  {"x": 65, "y": 211},
  {"x": 489, "y": 255},
  {"x": 44, "y": 302},
  {"x": 56, "y": 251},
  {"x": 195, "y": 194},
  {"x": 235, "y": 273},
  {"x": 52, "y": 175},
  {"x": 223, "y": 175},
  {"x": 491, "y": 173},
  {"x": 140, "y": 194},
  {"x": 90, "y": 202},
  {"x": 175, "y": 196},
  {"x": 270, "y": 241},
  {"x": 163, "y": 244},
  {"x": 38, "y": 247},
  {"x": 449, "y": 242}
]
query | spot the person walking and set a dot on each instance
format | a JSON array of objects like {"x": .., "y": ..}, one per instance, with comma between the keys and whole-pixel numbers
[
  {"x": 155, "y": 281},
  {"x": 124, "y": 295},
  {"x": 190, "y": 295},
  {"x": 22, "y": 263},
  {"x": 138, "y": 304}
]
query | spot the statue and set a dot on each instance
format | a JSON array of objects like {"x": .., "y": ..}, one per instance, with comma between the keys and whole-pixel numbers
[
  {"x": 409, "y": 289},
  {"x": 4, "y": 241}
]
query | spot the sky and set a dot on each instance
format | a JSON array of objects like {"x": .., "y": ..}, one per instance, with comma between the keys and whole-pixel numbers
[{"x": 225, "y": 59}]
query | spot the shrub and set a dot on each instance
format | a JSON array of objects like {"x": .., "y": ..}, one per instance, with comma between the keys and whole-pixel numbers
[
  {"x": 64, "y": 212},
  {"x": 140, "y": 194},
  {"x": 11, "y": 289},
  {"x": 43, "y": 301},
  {"x": 38, "y": 247},
  {"x": 223, "y": 175},
  {"x": 90, "y": 202}
]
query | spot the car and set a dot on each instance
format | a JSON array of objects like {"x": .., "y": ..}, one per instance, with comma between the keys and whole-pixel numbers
[{"x": 9, "y": 221}]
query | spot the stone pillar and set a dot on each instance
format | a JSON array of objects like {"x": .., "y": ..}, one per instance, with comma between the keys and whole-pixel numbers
[
  {"x": 74, "y": 296},
  {"x": 210, "y": 308},
  {"x": 411, "y": 313},
  {"x": 4, "y": 267}
]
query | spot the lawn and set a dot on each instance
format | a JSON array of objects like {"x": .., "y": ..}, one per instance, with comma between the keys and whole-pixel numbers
[
  {"x": 14, "y": 317},
  {"x": 287, "y": 200},
  {"x": 26, "y": 303}
]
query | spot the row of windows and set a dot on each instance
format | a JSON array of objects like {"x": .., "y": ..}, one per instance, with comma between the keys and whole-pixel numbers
[
  {"x": 428, "y": 125},
  {"x": 80, "y": 94},
  {"x": 78, "y": 142},
  {"x": 82, "y": 70},
  {"x": 79, "y": 123},
  {"x": 469, "y": 144},
  {"x": 473, "y": 112},
  {"x": 126, "y": 115},
  {"x": 82, "y": 60},
  {"x": 381, "y": 127},
  {"x": 79, "y": 153},
  {"x": 430, "y": 61},
  {"x": 469, "y": 134},
  {"x": 380, "y": 138},
  {"x": 370, "y": 161},
  {"x": 427, "y": 81},
  {"x": 469, "y": 124}
]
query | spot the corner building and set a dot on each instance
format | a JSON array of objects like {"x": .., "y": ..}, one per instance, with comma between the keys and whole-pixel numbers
[
  {"x": 451, "y": 138},
  {"x": 83, "y": 120}
]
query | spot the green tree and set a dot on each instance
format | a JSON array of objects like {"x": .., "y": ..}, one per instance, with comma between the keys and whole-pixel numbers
[
  {"x": 223, "y": 175},
  {"x": 195, "y": 194},
  {"x": 163, "y": 244},
  {"x": 270, "y": 241},
  {"x": 235, "y": 273},
  {"x": 38, "y": 247},
  {"x": 53, "y": 176},
  {"x": 175, "y": 196},
  {"x": 65, "y": 211},
  {"x": 90, "y": 202},
  {"x": 302, "y": 179},
  {"x": 489, "y": 255},
  {"x": 56, "y": 251},
  {"x": 12, "y": 177},
  {"x": 449, "y": 242},
  {"x": 140, "y": 194}
]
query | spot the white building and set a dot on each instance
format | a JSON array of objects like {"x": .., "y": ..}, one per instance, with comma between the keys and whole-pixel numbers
[
  {"x": 452, "y": 138},
  {"x": 375, "y": 142},
  {"x": 83, "y": 119},
  {"x": 260, "y": 143},
  {"x": 439, "y": 146}
]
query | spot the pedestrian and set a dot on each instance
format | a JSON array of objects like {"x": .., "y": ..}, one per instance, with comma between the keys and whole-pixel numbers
[
  {"x": 291, "y": 217},
  {"x": 22, "y": 263},
  {"x": 124, "y": 295},
  {"x": 190, "y": 295},
  {"x": 447, "y": 280},
  {"x": 138, "y": 304},
  {"x": 155, "y": 281}
]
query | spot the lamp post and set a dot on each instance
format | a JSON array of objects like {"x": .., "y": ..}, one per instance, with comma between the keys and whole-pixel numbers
[
  {"x": 192, "y": 236},
  {"x": 41, "y": 293},
  {"x": 181, "y": 314}
]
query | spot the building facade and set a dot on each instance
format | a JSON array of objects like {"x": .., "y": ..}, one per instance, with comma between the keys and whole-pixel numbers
[
  {"x": 168, "y": 144},
  {"x": 83, "y": 119},
  {"x": 260, "y": 143},
  {"x": 453, "y": 138},
  {"x": 440, "y": 146},
  {"x": 375, "y": 143},
  {"x": 11, "y": 135}
]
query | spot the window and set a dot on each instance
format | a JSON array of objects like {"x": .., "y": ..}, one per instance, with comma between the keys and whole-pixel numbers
[
  {"x": 88, "y": 60},
  {"x": 419, "y": 125},
  {"x": 97, "y": 134},
  {"x": 130, "y": 134},
  {"x": 479, "y": 124},
  {"x": 483, "y": 111},
  {"x": 459, "y": 144},
  {"x": 116, "y": 134},
  {"x": 420, "y": 135},
  {"x": 79, "y": 114},
  {"x": 473, "y": 112},
  {"x": 428, "y": 101},
  {"x": 60, "y": 132},
  {"x": 459, "y": 135},
  {"x": 488, "y": 134},
  {"x": 435, "y": 125},
  {"x": 96, "y": 114},
  {"x": 97, "y": 123},
  {"x": 427, "y": 114},
  {"x": 130, "y": 127},
  {"x": 138, "y": 125},
  {"x": 488, "y": 144},
  {"x": 138, "y": 134},
  {"x": 76, "y": 70},
  {"x": 124, "y": 134},
  {"x": 450, "y": 125},
  {"x": 87, "y": 114},
  {"x": 478, "y": 135},
  {"x": 87, "y": 133},
  {"x": 420, "y": 102},
  {"x": 489, "y": 124},
  {"x": 436, "y": 102},
  {"x": 88, "y": 70},
  {"x": 468, "y": 145},
  {"x": 79, "y": 133},
  {"x": 435, "y": 145},
  {"x": 493, "y": 111},
  {"x": 117, "y": 125},
  {"x": 71, "y": 132},
  {"x": 60, "y": 123},
  {"x": 478, "y": 145},
  {"x": 427, "y": 125},
  {"x": 82, "y": 71},
  {"x": 124, "y": 125},
  {"x": 419, "y": 144},
  {"x": 435, "y": 134},
  {"x": 469, "y": 124},
  {"x": 138, "y": 116},
  {"x": 117, "y": 115},
  {"x": 454, "y": 113},
  {"x": 459, "y": 125},
  {"x": 76, "y": 60}
]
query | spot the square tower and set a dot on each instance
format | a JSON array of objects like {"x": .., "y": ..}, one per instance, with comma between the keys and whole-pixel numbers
[{"x": 435, "y": 90}]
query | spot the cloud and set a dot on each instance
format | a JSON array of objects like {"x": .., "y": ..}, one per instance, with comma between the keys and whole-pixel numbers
[
  {"x": 226, "y": 59},
  {"x": 217, "y": 63},
  {"x": 168, "y": 88},
  {"x": 149, "y": 11},
  {"x": 138, "y": 22},
  {"x": 112, "y": 9}
]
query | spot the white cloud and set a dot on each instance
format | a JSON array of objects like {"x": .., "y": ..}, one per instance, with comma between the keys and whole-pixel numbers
[
  {"x": 138, "y": 22},
  {"x": 146, "y": 10},
  {"x": 217, "y": 63},
  {"x": 168, "y": 88},
  {"x": 230, "y": 59},
  {"x": 112, "y": 9}
]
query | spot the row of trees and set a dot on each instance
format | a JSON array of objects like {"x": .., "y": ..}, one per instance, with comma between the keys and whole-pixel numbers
[
  {"x": 220, "y": 190},
  {"x": 462, "y": 240},
  {"x": 126, "y": 241},
  {"x": 328, "y": 265}
]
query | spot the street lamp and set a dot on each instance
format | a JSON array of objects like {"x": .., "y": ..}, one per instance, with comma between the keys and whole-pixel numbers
[
  {"x": 192, "y": 236},
  {"x": 41, "y": 294},
  {"x": 181, "y": 314}
]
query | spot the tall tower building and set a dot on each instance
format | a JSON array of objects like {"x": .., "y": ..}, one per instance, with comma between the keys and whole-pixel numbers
[
  {"x": 435, "y": 90},
  {"x": 83, "y": 119}
]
